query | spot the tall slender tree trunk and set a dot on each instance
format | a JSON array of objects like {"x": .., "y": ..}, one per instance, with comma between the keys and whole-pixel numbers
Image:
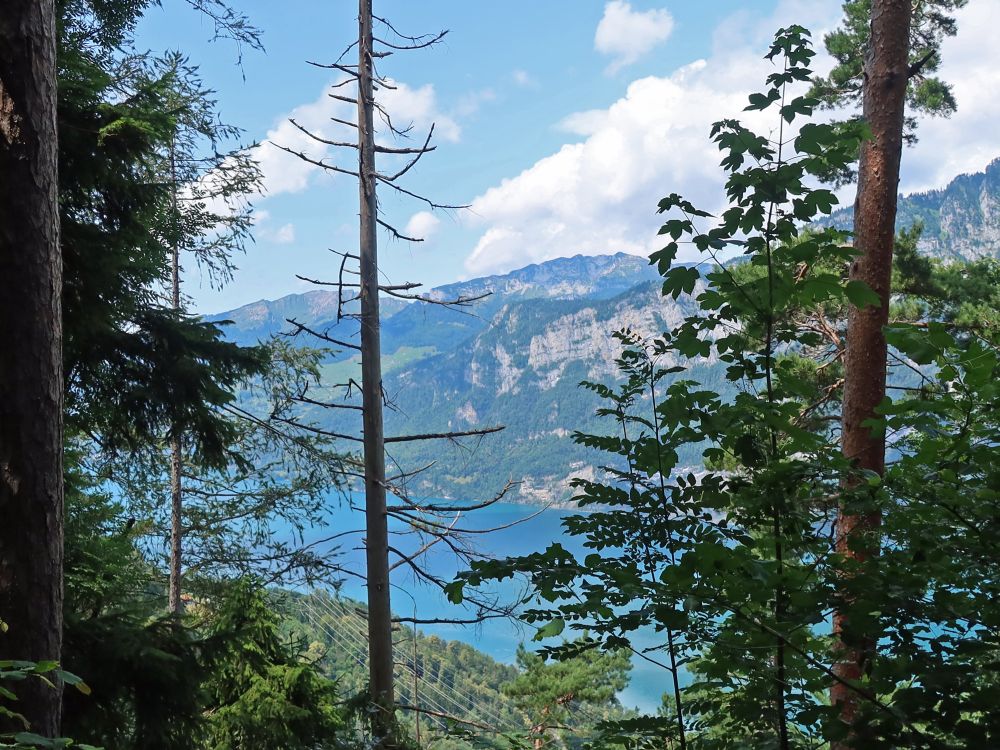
[
  {"x": 176, "y": 526},
  {"x": 865, "y": 360},
  {"x": 176, "y": 499},
  {"x": 31, "y": 380},
  {"x": 380, "y": 661}
]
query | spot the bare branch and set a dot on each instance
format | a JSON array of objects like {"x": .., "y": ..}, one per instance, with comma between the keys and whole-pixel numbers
[
  {"x": 396, "y": 233},
  {"x": 421, "y": 40},
  {"x": 316, "y": 430},
  {"x": 343, "y": 254},
  {"x": 318, "y": 139},
  {"x": 438, "y": 508},
  {"x": 345, "y": 82},
  {"x": 344, "y": 122},
  {"x": 448, "y": 717},
  {"x": 349, "y": 47},
  {"x": 382, "y": 83},
  {"x": 335, "y": 66},
  {"x": 302, "y": 398},
  {"x": 392, "y": 150},
  {"x": 419, "y": 152},
  {"x": 408, "y": 518},
  {"x": 428, "y": 201},
  {"x": 445, "y": 435},
  {"x": 407, "y": 559},
  {"x": 455, "y": 303},
  {"x": 341, "y": 98},
  {"x": 405, "y": 47},
  {"x": 300, "y": 328},
  {"x": 382, "y": 287},
  {"x": 318, "y": 163}
]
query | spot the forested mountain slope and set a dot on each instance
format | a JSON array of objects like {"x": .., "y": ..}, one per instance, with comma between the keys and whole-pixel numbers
[
  {"x": 961, "y": 220},
  {"x": 516, "y": 357},
  {"x": 443, "y": 678}
]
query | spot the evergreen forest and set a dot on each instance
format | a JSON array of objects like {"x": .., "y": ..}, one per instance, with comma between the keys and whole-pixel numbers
[{"x": 736, "y": 486}]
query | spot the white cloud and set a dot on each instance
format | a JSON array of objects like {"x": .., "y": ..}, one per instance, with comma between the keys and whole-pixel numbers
[
  {"x": 471, "y": 103},
  {"x": 599, "y": 195},
  {"x": 418, "y": 107},
  {"x": 626, "y": 35},
  {"x": 422, "y": 225},
  {"x": 407, "y": 106},
  {"x": 967, "y": 141},
  {"x": 524, "y": 79},
  {"x": 285, "y": 235},
  {"x": 286, "y": 173}
]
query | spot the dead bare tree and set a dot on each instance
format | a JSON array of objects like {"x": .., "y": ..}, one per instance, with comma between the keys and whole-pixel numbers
[
  {"x": 176, "y": 457},
  {"x": 437, "y": 524}
]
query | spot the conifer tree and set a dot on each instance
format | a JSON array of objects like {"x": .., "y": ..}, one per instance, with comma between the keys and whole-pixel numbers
[
  {"x": 886, "y": 53},
  {"x": 31, "y": 381}
]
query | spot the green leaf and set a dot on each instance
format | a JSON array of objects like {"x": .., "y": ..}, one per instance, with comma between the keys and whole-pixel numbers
[
  {"x": 71, "y": 679},
  {"x": 680, "y": 280},
  {"x": 550, "y": 630},
  {"x": 455, "y": 592},
  {"x": 860, "y": 294}
]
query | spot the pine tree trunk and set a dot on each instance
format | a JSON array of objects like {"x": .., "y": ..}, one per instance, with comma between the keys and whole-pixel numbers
[
  {"x": 380, "y": 661},
  {"x": 176, "y": 527},
  {"x": 31, "y": 381},
  {"x": 176, "y": 498},
  {"x": 865, "y": 360}
]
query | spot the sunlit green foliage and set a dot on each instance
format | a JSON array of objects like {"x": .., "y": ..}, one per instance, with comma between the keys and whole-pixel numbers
[
  {"x": 933, "y": 21},
  {"x": 736, "y": 567}
]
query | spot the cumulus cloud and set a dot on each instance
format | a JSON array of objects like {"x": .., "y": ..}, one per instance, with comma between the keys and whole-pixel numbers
[
  {"x": 407, "y": 106},
  {"x": 524, "y": 79},
  {"x": 286, "y": 173},
  {"x": 599, "y": 194},
  {"x": 283, "y": 235},
  {"x": 418, "y": 107},
  {"x": 965, "y": 142},
  {"x": 627, "y": 35},
  {"x": 422, "y": 225}
]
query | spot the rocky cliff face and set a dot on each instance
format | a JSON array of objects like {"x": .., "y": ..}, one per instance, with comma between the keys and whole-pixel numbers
[
  {"x": 542, "y": 329},
  {"x": 517, "y": 362},
  {"x": 961, "y": 221},
  {"x": 522, "y": 370}
]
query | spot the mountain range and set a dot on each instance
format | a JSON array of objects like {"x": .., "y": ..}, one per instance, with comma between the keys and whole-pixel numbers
[{"x": 515, "y": 358}]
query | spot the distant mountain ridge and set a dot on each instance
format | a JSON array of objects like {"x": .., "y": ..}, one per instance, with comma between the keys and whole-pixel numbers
[
  {"x": 579, "y": 277},
  {"x": 961, "y": 221},
  {"x": 517, "y": 356}
]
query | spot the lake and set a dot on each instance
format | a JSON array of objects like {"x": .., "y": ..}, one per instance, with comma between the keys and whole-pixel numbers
[{"x": 522, "y": 529}]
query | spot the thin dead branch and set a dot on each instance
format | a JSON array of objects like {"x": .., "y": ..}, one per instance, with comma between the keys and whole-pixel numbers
[
  {"x": 396, "y": 233},
  {"x": 316, "y": 162},
  {"x": 445, "y": 435},
  {"x": 322, "y": 336}
]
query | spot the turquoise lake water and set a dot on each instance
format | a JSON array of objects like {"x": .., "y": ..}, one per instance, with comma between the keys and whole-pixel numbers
[{"x": 497, "y": 637}]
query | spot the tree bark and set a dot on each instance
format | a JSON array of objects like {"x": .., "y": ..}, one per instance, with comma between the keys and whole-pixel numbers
[
  {"x": 380, "y": 660},
  {"x": 31, "y": 381},
  {"x": 176, "y": 526},
  {"x": 176, "y": 496},
  {"x": 865, "y": 360}
]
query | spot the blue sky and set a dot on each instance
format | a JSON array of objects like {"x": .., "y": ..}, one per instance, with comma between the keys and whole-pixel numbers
[{"x": 561, "y": 122}]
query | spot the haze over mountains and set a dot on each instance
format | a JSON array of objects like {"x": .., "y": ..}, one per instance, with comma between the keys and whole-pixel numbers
[{"x": 517, "y": 356}]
